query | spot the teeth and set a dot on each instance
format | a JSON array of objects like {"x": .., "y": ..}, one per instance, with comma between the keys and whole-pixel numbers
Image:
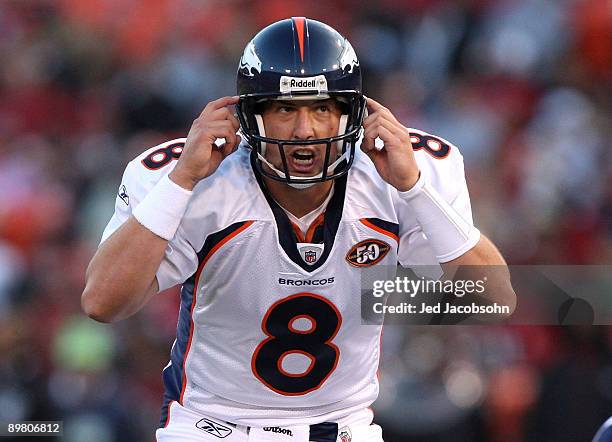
[
  {"x": 303, "y": 157},
  {"x": 304, "y": 162}
]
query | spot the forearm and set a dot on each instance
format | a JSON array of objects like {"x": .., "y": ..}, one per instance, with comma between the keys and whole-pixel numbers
[
  {"x": 121, "y": 276},
  {"x": 483, "y": 253},
  {"x": 485, "y": 262},
  {"x": 450, "y": 234}
]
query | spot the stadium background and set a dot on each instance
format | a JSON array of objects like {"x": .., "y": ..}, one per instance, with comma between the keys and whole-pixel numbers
[{"x": 522, "y": 86}]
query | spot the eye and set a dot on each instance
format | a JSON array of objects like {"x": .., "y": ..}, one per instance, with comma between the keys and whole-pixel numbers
[
  {"x": 284, "y": 109},
  {"x": 323, "y": 108}
]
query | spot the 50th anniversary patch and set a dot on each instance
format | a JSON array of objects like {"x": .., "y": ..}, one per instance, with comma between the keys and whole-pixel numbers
[{"x": 367, "y": 253}]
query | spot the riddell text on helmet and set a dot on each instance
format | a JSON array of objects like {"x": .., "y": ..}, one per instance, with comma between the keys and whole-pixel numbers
[{"x": 295, "y": 84}]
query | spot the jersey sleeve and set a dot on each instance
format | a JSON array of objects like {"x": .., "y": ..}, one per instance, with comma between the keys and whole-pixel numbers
[
  {"x": 446, "y": 174},
  {"x": 129, "y": 195},
  {"x": 180, "y": 259}
]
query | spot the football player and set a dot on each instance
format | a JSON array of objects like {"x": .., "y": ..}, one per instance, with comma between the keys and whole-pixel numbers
[{"x": 268, "y": 233}]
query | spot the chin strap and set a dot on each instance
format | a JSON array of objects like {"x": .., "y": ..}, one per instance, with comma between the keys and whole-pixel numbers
[{"x": 298, "y": 185}]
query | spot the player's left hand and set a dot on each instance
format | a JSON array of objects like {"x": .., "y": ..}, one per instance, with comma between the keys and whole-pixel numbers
[{"x": 395, "y": 162}]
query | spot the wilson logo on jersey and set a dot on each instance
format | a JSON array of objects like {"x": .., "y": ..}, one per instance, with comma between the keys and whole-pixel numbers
[
  {"x": 367, "y": 253},
  {"x": 279, "y": 430},
  {"x": 211, "y": 427}
]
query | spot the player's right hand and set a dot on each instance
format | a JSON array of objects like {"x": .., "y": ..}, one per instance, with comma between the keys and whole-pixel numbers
[{"x": 201, "y": 156}]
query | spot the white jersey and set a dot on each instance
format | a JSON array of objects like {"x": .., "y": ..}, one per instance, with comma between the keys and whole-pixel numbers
[{"x": 270, "y": 330}]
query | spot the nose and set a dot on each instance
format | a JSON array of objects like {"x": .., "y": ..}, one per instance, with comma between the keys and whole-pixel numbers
[{"x": 304, "y": 124}]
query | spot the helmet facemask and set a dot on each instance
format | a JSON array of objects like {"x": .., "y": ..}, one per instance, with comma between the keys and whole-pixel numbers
[{"x": 349, "y": 131}]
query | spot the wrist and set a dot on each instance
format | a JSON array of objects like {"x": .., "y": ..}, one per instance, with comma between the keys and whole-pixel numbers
[
  {"x": 448, "y": 233},
  {"x": 182, "y": 180},
  {"x": 409, "y": 183},
  {"x": 162, "y": 210}
]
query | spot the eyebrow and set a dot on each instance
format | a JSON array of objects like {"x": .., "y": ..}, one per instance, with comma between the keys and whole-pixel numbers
[{"x": 327, "y": 101}]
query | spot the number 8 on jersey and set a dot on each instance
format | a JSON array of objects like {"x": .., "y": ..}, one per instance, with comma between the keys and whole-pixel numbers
[{"x": 284, "y": 339}]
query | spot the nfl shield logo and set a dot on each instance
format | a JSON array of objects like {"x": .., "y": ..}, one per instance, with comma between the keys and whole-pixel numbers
[
  {"x": 344, "y": 435},
  {"x": 310, "y": 256},
  {"x": 310, "y": 253}
]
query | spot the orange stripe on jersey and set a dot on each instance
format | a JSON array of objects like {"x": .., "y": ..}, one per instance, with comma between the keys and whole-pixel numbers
[
  {"x": 311, "y": 230},
  {"x": 299, "y": 26},
  {"x": 246, "y": 225},
  {"x": 392, "y": 235},
  {"x": 217, "y": 246},
  {"x": 298, "y": 233}
]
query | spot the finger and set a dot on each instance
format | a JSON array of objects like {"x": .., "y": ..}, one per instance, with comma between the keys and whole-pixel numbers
[
  {"x": 378, "y": 117},
  {"x": 220, "y": 103},
  {"x": 374, "y": 105},
  {"x": 369, "y": 135},
  {"x": 222, "y": 132},
  {"x": 397, "y": 131},
  {"x": 235, "y": 122},
  {"x": 367, "y": 147},
  {"x": 379, "y": 109},
  {"x": 370, "y": 120},
  {"x": 388, "y": 137},
  {"x": 229, "y": 138},
  {"x": 229, "y": 148},
  {"x": 232, "y": 136},
  {"x": 372, "y": 131},
  {"x": 381, "y": 137},
  {"x": 224, "y": 113},
  {"x": 383, "y": 113},
  {"x": 217, "y": 124},
  {"x": 224, "y": 101}
]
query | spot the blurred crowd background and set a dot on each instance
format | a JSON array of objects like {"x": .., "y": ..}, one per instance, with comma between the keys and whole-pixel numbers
[{"x": 522, "y": 86}]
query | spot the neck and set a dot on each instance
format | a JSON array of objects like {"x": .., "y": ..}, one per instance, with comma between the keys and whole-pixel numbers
[{"x": 298, "y": 201}]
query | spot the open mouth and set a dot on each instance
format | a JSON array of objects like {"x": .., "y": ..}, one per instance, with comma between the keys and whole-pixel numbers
[
  {"x": 302, "y": 160},
  {"x": 303, "y": 157}
]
